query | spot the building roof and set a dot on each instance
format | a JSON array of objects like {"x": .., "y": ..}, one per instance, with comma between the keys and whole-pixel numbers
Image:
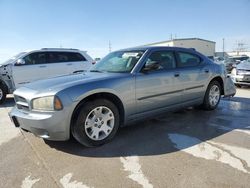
[{"x": 182, "y": 39}]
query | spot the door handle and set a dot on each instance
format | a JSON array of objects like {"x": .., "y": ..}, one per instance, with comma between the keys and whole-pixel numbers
[
  {"x": 177, "y": 74},
  {"x": 69, "y": 64},
  {"x": 42, "y": 66},
  {"x": 206, "y": 71}
]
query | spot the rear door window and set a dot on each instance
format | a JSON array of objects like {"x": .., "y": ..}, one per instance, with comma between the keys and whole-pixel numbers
[{"x": 186, "y": 59}]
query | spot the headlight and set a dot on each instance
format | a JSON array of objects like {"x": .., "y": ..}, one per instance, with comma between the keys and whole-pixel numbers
[
  {"x": 234, "y": 72},
  {"x": 49, "y": 103}
]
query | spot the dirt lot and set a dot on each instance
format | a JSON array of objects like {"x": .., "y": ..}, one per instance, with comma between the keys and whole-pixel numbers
[{"x": 190, "y": 148}]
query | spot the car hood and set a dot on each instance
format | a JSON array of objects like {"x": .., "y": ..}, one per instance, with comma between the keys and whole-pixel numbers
[
  {"x": 244, "y": 66},
  {"x": 62, "y": 82},
  {"x": 3, "y": 64}
]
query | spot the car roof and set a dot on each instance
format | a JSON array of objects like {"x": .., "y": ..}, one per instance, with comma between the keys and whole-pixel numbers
[
  {"x": 158, "y": 48},
  {"x": 55, "y": 50},
  {"x": 146, "y": 48},
  {"x": 59, "y": 49}
]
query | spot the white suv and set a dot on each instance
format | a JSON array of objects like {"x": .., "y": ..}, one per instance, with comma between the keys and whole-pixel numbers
[{"x": 27, "y": 67}]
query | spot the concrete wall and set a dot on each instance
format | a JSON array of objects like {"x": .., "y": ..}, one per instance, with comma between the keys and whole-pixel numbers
[
  {"x": 205, "y": 47},
  {"x": 220, "y": 54},
  {"x": 170, "y": 43}
]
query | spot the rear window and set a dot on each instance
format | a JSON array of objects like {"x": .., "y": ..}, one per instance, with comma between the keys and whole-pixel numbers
[{"x": 76, "y": 57}]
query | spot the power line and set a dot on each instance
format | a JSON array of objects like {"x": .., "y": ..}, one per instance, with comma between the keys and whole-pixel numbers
[
  {"x": 110, "y": 47},
  {"x": 241, "y": 46},
  {"x": 223, "y": 47}
]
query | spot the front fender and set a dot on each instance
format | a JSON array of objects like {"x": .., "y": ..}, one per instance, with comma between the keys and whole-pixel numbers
[
  {"x": 123, "y": 89},
  {"x": 229, "y": 87},
  {"x": 86, "y": 94}
]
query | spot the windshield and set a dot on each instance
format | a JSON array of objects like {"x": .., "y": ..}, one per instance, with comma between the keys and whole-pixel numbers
[
  {"x": 230, "y": 60},
  {"x": 121, "y": 61},
  {"x": 13, "y": 58},
  {"x": 245, "y": 61}
]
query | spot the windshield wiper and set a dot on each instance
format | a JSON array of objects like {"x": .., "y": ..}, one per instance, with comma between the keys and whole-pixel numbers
[{"x": 96, "y": 71}]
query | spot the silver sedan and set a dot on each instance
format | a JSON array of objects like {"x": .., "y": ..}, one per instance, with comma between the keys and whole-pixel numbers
[{"x": 125, "y": 86}]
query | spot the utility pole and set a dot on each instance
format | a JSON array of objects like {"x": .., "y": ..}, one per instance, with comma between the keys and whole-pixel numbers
[
  {"x": 171, "y": 36},
  {"x": 240, "y": 47},
  {"x": 110, "y": 46},
  {"x": 223, "y": 47}
]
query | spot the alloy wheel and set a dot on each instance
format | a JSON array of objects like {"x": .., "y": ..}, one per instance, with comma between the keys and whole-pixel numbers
[
  {"x": 214, "y": 95},
  {"x": 99, "y": 123}
]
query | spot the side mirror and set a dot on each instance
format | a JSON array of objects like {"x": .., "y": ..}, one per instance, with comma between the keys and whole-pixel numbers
[
  {"x": 151, "y": 67},
  {"x": 20, "y": 62},
  {"x": 234, "y": 65}
]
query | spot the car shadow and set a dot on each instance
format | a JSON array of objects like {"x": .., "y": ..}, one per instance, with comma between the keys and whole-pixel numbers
[
  {"x": 152, "y": 137},
  {"x": 9, "y": 102},
  {"x": 244, "y": 87}
]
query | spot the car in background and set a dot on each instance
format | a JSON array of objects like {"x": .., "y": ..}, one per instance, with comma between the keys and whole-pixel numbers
[
  {"x": 125, "y": 86},
  {"x": 229, "y": 64},
  {"x": 35, "y": 65},
  {"x": 219, "y": 59},
  {"x": 241, "y": 74},
  {"x": 239, "y": 58},
  {"x": 232, "y": 61}
]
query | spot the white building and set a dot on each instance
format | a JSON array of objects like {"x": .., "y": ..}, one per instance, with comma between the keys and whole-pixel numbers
[
  {"x": 236, "y": 53},
  {"x": 205, "y": 47}
]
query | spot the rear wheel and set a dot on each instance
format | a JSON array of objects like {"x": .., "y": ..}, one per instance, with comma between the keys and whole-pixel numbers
[
  {"x": 97, "y": 123},
  {"x": 212, "y": 96},
  {"x": 3, "y": 93}
]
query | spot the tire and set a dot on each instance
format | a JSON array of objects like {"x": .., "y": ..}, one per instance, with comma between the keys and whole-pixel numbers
[
  {"x": 3, "y": 93},
  {"x": 238, "y": 85},
  {"x": 93, "y": 118},
  {"x": 211, "y": 104}
]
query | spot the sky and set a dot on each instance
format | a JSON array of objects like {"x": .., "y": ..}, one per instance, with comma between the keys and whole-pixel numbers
[{"x": 90, "y": 24}]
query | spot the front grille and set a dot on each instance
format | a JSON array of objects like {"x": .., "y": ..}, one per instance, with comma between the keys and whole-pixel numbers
[
  {"x": 21, "y": 103},
  {"x": 243, "y": 72}
]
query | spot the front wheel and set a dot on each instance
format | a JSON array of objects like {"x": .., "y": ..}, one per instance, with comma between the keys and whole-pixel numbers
[
  {"x": 212, "y": 96},
  {"x": 3, "y": 93},
  {"x": 97, "y": 123}
]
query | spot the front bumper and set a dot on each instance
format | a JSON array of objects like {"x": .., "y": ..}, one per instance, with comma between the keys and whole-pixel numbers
[{"x": 50, "y": 126}]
